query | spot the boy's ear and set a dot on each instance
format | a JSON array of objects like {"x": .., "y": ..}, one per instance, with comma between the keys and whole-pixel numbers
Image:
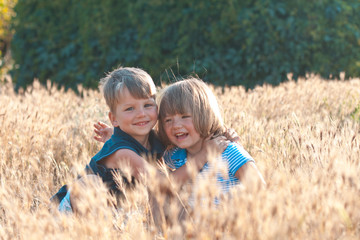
[{"x": 113, "y": 119}]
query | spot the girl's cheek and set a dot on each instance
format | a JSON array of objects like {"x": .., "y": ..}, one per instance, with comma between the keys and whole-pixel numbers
[{"x": 167, "y": 132}]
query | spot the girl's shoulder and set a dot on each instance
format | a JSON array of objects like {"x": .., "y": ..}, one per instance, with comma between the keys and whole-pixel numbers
[
  {"x": 236, "y": 156},
  {"x": 233, "y": 146},
  {"x": 236, "y": 150}
]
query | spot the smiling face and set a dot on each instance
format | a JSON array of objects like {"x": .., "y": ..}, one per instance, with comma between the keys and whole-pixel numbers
[
  {"x": 180, "y": 130},
  {"x": 135, "y": 116},
  {"x": 192, "y": 103}
]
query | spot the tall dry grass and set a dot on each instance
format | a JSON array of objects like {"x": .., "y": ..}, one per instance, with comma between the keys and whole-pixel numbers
[{"x": 304, "y": 136}]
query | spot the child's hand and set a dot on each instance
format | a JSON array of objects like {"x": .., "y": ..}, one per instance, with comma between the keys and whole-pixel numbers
[
  {"x": 217, "y": 144},
  {"x": 210, "y": 148},
  {"x": 232, "y": 135},
  {"x": 103, "y": 132}
]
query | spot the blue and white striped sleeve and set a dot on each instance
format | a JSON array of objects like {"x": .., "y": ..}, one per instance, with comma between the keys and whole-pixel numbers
[{"x": 236, "y": 157}]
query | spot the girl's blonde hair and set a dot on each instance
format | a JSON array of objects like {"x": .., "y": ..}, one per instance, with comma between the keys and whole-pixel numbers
[
  {"x": 191, "y": 96},
  {"x": 137, "y": 81}
]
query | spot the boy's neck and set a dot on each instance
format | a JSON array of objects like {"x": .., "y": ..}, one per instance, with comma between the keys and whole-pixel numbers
[{"x": 143, "y": 140}]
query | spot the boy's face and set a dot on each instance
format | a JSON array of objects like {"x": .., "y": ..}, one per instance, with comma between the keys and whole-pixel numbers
[{"x": 134, "y": 116}]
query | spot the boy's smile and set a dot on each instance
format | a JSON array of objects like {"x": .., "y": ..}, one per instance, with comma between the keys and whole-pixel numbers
[
  {"x": 134, "y": 116},
  {"x": 180, "y": 130}
]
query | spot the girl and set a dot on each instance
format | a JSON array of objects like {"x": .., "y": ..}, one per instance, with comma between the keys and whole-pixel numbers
[{"x": 189, "y": 114}]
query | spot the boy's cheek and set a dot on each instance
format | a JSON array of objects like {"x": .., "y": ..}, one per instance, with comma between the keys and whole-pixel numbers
[{"x": 155, "y": 113}]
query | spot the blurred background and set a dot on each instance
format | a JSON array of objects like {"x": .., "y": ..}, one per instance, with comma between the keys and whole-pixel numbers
[{"x": 248, "y": 42}]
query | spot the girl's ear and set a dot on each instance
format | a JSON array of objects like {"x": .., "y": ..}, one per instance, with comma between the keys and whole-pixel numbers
[{"x": 113, "y": 119}]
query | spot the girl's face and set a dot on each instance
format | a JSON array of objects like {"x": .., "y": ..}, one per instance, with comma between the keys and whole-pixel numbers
[{"x": 180, "y": 130}]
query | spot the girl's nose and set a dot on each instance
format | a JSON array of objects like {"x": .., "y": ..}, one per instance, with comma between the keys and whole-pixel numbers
[{"x": 176, "y": 124}]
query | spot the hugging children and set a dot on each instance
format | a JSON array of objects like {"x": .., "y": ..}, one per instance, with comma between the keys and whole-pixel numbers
[
  {"x": 130, "y": 96},
  {"x": 188, "y": 115},
  {"x": 189, "y": 124}
]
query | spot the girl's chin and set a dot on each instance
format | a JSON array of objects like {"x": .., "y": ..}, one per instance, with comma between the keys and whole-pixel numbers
[{"x": 180, "y": 145}]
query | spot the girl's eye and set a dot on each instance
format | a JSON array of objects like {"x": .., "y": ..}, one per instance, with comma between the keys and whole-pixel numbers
[
  {"x": 185, "y": 116},
  {"x": 167, "y": 120}
]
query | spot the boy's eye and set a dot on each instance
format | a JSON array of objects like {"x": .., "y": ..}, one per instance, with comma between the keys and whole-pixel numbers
[
  {"x": 149, "y": 105},
  {"x": 129, "y": 109}
]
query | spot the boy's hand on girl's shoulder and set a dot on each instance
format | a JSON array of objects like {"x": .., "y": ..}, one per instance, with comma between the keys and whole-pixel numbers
[
  {"x": 232, "y": 135},
  {"x": 216, "y": 145},
  {"x": 210, "y": 148},
  {"x": 103, "y": 132}
]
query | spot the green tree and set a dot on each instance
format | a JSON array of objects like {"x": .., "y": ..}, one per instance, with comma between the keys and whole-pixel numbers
[
  {"x": 6, "y": 13},
  {"x": 224, "y": 42}
]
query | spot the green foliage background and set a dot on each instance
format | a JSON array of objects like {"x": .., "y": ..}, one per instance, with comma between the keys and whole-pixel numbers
[
  {"x": 224, "y": 42},
  {"x": 6, "y": 13}
]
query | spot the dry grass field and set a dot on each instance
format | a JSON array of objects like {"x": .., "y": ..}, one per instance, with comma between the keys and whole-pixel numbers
[{"x": 304, "y": 136}]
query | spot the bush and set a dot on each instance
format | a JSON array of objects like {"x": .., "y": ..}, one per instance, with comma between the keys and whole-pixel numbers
[
  {"x": 224, "y": 42},
  {"x": 6, "y": 12},
  {"x": 70, "y": 42}
]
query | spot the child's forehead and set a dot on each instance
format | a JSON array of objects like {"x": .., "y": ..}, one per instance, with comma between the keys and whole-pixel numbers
[
  {"x": 133, "y": 99},
  {"x": 173, "y": 111},
  {"x": 124, "y": 94}
]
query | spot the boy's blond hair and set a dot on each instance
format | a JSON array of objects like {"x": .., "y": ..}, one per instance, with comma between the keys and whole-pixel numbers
[
  {"x": 137, "y": 81},
  {"x": 191, "y": 96}
]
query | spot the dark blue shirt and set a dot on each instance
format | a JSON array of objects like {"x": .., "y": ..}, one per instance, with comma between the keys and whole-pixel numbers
[{"x": 119, "y": 140}]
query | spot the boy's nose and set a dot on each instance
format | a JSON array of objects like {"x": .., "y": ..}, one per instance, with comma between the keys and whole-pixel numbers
[{"x": 141, "y": 112}]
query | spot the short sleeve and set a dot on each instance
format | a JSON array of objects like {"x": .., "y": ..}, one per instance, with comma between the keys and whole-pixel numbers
[{"x": 236, "y": 157}]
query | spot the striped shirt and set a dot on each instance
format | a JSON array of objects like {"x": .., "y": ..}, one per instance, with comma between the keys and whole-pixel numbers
[{"x": 224, "y": 167}]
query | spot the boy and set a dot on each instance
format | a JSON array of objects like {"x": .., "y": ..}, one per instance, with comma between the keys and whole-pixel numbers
[{"x": 130, "y": 95}]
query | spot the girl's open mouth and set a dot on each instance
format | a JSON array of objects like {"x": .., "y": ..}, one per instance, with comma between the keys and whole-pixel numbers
[{"x": 180, "y": 136}]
